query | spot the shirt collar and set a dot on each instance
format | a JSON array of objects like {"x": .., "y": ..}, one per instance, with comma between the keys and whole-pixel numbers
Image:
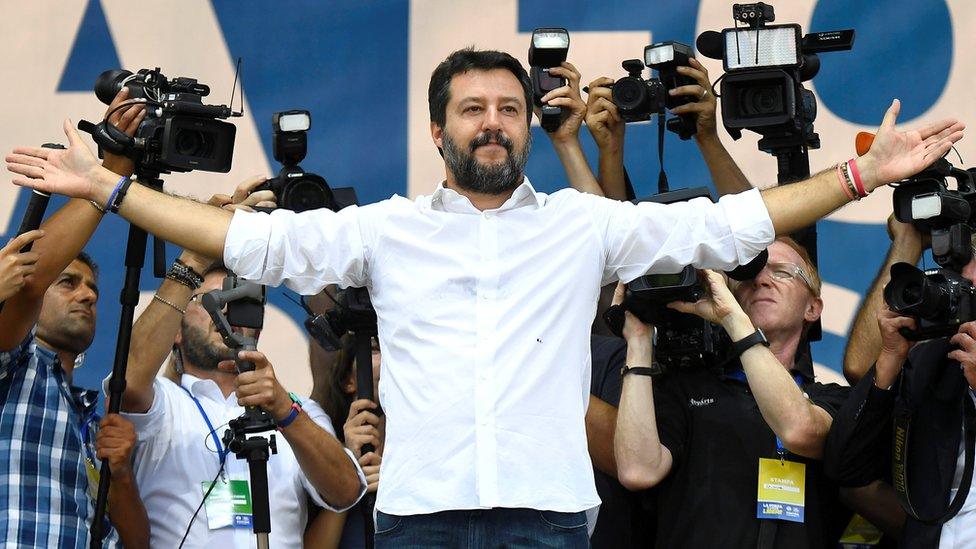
[
  {"x": 202, "y": 387},
  {"x": 448, "y": 200}
]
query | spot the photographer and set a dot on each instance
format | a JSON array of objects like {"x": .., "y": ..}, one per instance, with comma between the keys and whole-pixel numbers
[
  {"x": 46, "y": 424},
  {"x": 931, "y": 383},
  {"x": 485, "y": 292},
  {"x": 357, "y": 423},
  {"x": 710, "y": 439},
  {"x": 607, "y": 128},
  {"x": 179, "y": 424}
]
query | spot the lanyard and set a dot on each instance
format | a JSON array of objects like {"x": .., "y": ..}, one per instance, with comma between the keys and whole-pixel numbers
[
  {"x": 740, "y": 375},
  {"x": 221, "y": 453},
  {"x": 93, "y": 417}
]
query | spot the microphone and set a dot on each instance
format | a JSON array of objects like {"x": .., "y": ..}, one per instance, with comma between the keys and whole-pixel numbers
[
  {"x": 710, "y": 44},
  {"x": 36, "y": 207},
  {"x": 863, "y": 141}
]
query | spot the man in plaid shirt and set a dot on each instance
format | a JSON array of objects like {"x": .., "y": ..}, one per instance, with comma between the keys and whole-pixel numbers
[{"x": 46, "y": 426}]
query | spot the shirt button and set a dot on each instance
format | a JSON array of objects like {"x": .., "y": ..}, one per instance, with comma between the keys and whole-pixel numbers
[{"x": 487, "y": 215}]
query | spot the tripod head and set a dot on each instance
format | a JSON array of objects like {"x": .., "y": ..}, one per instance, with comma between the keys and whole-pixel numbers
[{"x": 245, "y": 309}]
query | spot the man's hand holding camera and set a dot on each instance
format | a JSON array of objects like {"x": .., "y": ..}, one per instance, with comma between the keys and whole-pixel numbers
[
  {"x": 259, "y": 387},
  {"x": 719, "y": 306},
  {"x": 568, "y": 97},
  {"x": 894, "y": 346},
  {"x": 705, "y": 104},
  {"x": 965, "y": 355}
]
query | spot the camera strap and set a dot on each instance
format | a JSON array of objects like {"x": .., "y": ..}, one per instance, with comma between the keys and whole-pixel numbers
[
  {"x": 899, "y": 463},
  {"x": 662, "y": 178}
]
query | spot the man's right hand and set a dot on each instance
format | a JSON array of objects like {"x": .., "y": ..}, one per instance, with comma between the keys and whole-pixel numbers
[
  {"x": 905, "y": 234},
  {"x": 15, "y": 266},
  {"x": 361, "y": 427}
]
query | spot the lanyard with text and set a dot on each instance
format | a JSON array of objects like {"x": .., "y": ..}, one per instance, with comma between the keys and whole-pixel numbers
[
  {"x": 221, "y": 453},
  {"x": 781, "y": 492}
]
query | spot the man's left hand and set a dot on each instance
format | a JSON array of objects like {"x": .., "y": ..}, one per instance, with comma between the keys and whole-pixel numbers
[
  {"x": 260, "y": 387},
  {"x": 716, "y": 306},
  {"x": 896, "y": 155},
  {"x": 114, "y": 442},
  {"x": 126, "y": 119},
  {"x": 965, "y": 355}
]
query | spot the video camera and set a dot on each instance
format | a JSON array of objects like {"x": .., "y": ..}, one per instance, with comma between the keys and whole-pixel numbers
[
  {"x": 294, "y": 188},
  {"x": 941, "y": 299},
  {"x": 764, "y": 67},
  {"x": 638, "y": 99},
  {"x": 548, "y": 49},
  {"x": 179, "y": 132},
  {"x": 683, "y": 340}
]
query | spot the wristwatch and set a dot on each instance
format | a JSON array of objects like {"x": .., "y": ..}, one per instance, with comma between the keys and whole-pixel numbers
[
  {"x": 747, "y": 342},
  {"x": 653, "y": 370}
]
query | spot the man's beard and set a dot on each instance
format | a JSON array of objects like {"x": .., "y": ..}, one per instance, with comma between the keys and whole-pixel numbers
[
  {"x": 71, "y": 335},
  {"x": 494, "y": 179},
  {"x": 200, "y": 351}
]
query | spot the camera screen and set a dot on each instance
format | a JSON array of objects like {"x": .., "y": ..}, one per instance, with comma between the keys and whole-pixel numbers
[{"x": 764, "y": 47}]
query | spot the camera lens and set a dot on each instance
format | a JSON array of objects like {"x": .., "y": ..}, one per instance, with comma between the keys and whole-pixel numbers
[
  {"x": 109, "y": 83},
  {"x": 911, "y": 292},
  {"x": 762, "y": 100},
  {"x": 305, "y": 194},
  {"x": 629, "y": 93},
  {"x": 194, "y": 143}
]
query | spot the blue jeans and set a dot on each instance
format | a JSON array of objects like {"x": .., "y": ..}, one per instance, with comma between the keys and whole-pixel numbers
[{"x": 482, "y": 529}]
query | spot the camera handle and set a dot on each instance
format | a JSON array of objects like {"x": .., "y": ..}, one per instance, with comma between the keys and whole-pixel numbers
[
  {"x": 135, "y": 255},
  {"x": 242, "y": 435}
]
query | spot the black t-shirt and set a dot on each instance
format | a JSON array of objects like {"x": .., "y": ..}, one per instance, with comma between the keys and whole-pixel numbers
[{"x": 716, "y": 435}]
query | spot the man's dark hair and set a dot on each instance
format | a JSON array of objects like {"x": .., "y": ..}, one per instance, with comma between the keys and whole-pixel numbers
[
  {"x": 462, "y": 61},
  {"x": 87, "y": 260}
]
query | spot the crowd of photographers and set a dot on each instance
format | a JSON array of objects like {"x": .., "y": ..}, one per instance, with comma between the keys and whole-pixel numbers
[{"x": 481, "y": 416}]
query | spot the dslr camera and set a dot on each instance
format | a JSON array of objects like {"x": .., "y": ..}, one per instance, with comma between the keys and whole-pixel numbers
[
  {"x": 638, "y": 99},
  {"x": 294, "y": 188},
  {"x": 940, "y": 299},
  {"x": 179, "y": 133}
]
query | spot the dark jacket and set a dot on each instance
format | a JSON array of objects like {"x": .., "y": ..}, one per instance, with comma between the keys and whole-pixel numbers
[{"x": 858, "y": 449}]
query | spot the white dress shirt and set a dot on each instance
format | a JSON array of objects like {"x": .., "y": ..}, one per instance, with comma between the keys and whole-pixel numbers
[
  {"x": 175, "y": 453},
  {"x": 484, "y": 322},
  {"x": 959, "y": 532}
]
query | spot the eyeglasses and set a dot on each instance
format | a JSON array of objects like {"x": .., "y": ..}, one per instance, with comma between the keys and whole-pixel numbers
[{"x": 788, "y": 271}]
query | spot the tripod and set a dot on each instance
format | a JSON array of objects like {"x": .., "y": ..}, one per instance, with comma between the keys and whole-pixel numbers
[
  {"x": 135, "y": 255},
  {"x": 241, "y": 436}
]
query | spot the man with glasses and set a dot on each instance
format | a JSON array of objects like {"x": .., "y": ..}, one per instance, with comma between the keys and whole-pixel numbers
[{"x": 714, "y": 439}]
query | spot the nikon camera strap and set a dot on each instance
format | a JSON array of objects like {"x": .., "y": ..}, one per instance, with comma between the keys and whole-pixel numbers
[{"x": 899, "y": 463}]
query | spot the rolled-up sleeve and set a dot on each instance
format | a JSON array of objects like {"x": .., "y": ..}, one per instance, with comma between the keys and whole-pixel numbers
[
  {"x": 305, "y": 251},
  {"x": 664, "y": 238},
  {"x": 318, "y": 415}
]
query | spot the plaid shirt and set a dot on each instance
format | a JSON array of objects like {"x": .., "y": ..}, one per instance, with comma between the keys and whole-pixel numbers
[{"x": 43, "y": 483}]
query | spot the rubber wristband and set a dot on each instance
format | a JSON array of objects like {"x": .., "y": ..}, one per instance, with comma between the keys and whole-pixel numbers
[
  {"x": 858, "y": 184},
  {"x": 845, "y": 169},
  {"x": 844, "y": 184},
  {"x": 118, "y": 195},
  {"x": 295, "y": 410},
  {"x": 115, "y": 192}
]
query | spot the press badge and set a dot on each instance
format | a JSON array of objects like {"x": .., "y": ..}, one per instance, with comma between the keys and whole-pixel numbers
[
  {"x": 860, "y": 534},
  {"x": 93, "y": 476},
  {"x": 228, "y": 505},
  {"x": 781, "y": 490}
]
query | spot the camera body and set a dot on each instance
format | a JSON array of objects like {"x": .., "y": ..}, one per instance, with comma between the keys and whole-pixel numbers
[
  {"x": 179, "y": 133},
  {"x": 637, "y": 99},
  {"x": 293, "y": 187},
  {"x": 548, "y": 49},
  {"x": 353, "y": 313},
  {"x": 939, "y": 299}
]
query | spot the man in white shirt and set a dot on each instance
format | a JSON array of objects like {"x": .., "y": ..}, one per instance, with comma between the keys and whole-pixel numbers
[
  {"x": 180, "y": 424},
  {"x": 485, "y": 291}
]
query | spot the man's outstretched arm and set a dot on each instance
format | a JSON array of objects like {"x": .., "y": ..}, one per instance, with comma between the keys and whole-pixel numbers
[
  {"x": 894, "y": 155},
  {"x": 75, "y": 172}
]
